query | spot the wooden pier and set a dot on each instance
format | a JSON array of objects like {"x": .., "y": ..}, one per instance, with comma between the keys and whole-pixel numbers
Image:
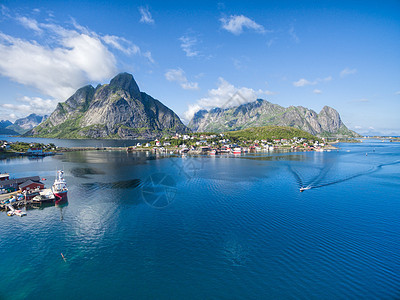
[{"x": 38, "y": 200}]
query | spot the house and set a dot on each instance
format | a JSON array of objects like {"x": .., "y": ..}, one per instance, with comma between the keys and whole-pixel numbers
[
  {"x": 6, "y": 146},
  {"x": 35, "y": 151},
  {"x": 11, "y": 185},
  {"x": 30, "y": 185},
  {"x": 205, "y": 149}
]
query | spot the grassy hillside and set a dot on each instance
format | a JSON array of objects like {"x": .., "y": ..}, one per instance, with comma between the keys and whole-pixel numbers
[{"x": 269, "y": 133}]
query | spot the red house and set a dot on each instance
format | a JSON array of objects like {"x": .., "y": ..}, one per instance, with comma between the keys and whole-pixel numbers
[{"x": 31, "y": 185}]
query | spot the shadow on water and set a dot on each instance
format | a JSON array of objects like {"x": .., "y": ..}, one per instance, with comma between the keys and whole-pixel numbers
[
  {"x": 291, "y": 157},
  {"x": 124, "y": 184},
  {"x": 82, "y": 172}
]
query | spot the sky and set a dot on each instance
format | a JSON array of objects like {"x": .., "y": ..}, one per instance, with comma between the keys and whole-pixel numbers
[{"x": 195, "y": 55}]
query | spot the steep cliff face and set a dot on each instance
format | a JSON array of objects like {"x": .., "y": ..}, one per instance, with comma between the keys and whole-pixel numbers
[
  {"x": 262, "y": 113},
  {"x": 115, "y": 110}
]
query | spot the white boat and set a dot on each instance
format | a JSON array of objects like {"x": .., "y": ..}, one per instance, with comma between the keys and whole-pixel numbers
[
  {"x": 45, "y": 195},
  {"x": 59, "y": 187},
  {"x": 237, "y": 150},
  {"x": 19, "y": 213},
  {"x": 302, "y": 189}
]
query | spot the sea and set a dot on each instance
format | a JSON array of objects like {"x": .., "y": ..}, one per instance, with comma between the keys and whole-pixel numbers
[{"x": 149, "y": 226}]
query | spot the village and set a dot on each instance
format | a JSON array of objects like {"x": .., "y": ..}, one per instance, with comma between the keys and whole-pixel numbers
[
  {"x": 28, "y": 191},
  {"x": 26, "y": 149},
  {"x": 222, "y": 143}
]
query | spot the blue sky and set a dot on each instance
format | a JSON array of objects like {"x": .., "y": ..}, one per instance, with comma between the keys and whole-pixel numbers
[{"x": 344, "y": 54}]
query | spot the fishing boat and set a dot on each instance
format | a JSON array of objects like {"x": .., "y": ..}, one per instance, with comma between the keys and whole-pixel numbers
[
  {"x": 45, "y": 195},
  {"x": 59, "y": 187}
]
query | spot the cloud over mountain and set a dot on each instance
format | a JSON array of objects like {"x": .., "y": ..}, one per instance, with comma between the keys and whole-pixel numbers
[{"x": 225, "y": 95}]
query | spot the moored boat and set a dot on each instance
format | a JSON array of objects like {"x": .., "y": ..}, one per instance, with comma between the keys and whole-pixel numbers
[
  {"x": 237, "y": 150},
  {"x": 19, "y": 213},
  {"x": 59, "y": 187}
]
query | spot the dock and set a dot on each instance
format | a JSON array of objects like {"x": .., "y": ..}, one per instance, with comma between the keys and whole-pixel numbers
[{"x": 45, "y": 196}]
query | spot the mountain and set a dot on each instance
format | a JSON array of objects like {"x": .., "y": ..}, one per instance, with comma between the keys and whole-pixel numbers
[
  {"x": 262, "y": 113},
  {"x": 5, "y": 123},
  {"x": 25, "y": 124},
  {"x": 4, "y": 130},
  {"x": 115, "y": 110}
]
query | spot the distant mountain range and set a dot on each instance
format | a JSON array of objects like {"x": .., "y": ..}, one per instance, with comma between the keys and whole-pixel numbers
[
  {"x": 20, "y": 126},
  {"x": 261, "y": 113},
  {"x": 120, "y": 110},
  {"x": 116, "y": 110}
]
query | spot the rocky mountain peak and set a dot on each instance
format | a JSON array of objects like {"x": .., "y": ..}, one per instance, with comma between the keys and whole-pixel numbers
[
  {"x": 114, "y": 110},
  {"x": 262, "y": 113},
  {"x": 81, "y": 97},
  {"x": 126, "y": 82}
]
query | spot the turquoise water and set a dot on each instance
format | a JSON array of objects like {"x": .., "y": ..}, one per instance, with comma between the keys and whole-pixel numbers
[{"x": 139, "y": 226}]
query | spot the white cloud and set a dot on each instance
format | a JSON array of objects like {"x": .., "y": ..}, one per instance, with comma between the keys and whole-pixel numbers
[
  {"x": 347, "y": 71},
  {"x": 147, "y": 54},
  {"x": 316, "y": 91},
  {"x": 397, "y": 93},
  {"x": 5, "y": 11},
  {"x": 188, "y": 44},
  {"x": 121, "y": 44},
  {"x": 293, "y": 35},
  {"x": 357, "y": 127},
  {"x": 271, "y": 42},
  {"x": 27, "y": 105},
  {"x": 362, "y": 100},
  {"x": 329, "y": 78},
  {"x": 58, "y": 71},
  {"x": 303, "y": 82},
  {"x": 179, "y": 76},
  {"x": 225, "y": 95},
  {"x": 30, "y": 24},
  {"x": 236, "y": 24},
  {"x": 69, "y": 59},
  {"x": 145, "y": 15}
]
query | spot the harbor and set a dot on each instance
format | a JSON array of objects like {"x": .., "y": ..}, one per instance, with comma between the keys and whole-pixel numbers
[{"x": 29, "y": 192}]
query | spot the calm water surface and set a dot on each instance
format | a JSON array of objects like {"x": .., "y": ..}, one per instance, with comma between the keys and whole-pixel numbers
[{"x": 139, "y": 226}]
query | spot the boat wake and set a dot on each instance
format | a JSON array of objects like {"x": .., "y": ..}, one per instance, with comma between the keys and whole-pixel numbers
[{"x": 317, "y": 181}]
